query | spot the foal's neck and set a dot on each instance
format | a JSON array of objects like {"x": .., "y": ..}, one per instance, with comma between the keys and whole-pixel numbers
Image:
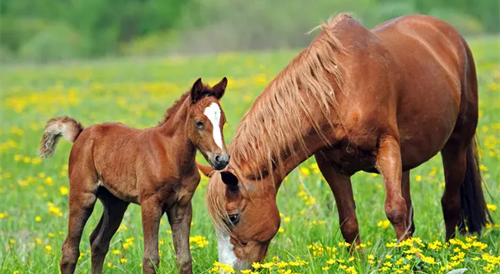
[{"x": 176, "y": 132}]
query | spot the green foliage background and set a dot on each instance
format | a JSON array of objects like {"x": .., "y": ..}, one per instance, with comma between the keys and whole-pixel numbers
[{"x": 51, "y": 30}]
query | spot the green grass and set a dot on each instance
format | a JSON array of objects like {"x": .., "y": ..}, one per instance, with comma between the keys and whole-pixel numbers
[{"x": 137, "y": 92}]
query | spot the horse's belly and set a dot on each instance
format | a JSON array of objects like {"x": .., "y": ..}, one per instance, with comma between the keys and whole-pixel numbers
[{"x": 425, "y": 132}]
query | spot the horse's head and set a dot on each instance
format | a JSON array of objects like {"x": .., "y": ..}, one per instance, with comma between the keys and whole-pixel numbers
[
  {"x": 245, "y": 216},
  {"x": 206, "y": 121}
]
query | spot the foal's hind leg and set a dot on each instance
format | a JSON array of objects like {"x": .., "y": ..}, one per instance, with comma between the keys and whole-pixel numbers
[
  {"x": 455, "y": 164},
  {"x": 342, "y": 190},
  {"x": 82, "y": 197},
  {"x": 114, "y": 209}
]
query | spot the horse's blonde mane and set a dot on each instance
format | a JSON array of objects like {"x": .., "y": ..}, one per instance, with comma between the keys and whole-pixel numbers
[{"x": 272, "y": 126}]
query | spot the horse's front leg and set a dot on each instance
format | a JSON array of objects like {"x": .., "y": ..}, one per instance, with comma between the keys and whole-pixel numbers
[
  {"x": 152, "y": 210},
  {"x": 342, "y": 191},
  {"x": 405, "y": 185},
  {"x": 390, "y": 167},
  {"x": 179, "y": 217}
]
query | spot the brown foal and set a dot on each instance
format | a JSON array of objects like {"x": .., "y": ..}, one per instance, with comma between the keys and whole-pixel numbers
[
  {"x": 153, "y": 167},
  {"x": 384, "y": 100}
]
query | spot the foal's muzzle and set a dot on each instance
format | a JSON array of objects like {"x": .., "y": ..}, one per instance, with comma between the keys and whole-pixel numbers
[{"x": 219, "y": 161}]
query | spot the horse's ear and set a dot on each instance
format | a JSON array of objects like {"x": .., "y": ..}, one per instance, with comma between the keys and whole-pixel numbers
[
  {"x": 220, "y": 88},
  {"x": 197, "y": 91},
  {"x": 206, "y": 170},
  {"x": 229, "y": 178}
]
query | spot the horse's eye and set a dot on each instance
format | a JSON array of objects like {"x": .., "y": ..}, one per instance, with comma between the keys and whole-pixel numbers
[
  {"x": 199, "y": 124},
  {"x": 234, "y": 218}
]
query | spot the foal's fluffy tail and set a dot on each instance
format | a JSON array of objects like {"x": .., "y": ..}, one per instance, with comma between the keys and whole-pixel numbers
[
  {"x": 472, "y": 203},
  {"x": 66, "y": 127}
]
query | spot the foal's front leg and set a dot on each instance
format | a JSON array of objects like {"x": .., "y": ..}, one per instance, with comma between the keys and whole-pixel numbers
[
  {"x": 179, "y": 217},
  {"x": 152, "y": 210}
]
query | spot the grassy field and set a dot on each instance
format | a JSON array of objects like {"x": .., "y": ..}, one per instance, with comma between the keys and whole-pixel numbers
[{"x": 34, "y": 193}]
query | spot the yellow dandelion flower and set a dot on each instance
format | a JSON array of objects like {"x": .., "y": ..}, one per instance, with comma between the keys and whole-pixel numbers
[
  {"x": 491, "y": 207},
  {"x": 63, "y": 190},
  {"x": 384, "y": 224},
  {"x": 429, "y": 260},
  {"x": 305, "y": 171}
]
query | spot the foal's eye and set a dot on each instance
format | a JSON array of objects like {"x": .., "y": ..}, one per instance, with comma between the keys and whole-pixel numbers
[
  {"x": 234, "y": 219},
  {"x": 199, "y": 124}
]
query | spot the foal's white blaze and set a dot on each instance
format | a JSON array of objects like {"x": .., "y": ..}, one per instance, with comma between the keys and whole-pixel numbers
[
  {"x": 226, "y": 252},
  {"x": 213, "y": 114}
]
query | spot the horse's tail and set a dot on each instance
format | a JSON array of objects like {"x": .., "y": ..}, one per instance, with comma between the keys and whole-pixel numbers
[
  {"x": 473, "y": 206},
  {"x": 66, "y": 127}
]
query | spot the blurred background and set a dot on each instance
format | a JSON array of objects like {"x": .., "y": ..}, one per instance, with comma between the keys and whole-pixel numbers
[{"x": 55, "y": 30}]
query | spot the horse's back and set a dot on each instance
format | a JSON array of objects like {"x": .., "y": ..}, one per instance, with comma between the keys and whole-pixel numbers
[{"x": 406, "y": 78}]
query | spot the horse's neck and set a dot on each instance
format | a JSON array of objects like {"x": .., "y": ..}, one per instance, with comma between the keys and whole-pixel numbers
[
  {"x": 294, "y": 159},
  {"x": 313, "y": 143}
]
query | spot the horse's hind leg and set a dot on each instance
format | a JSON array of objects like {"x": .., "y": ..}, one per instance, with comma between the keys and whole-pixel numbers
[
  {"x": 342, "y": 190},
  {"x": 455, "y": 163},
  {"x": 82, "y": 197},
  {"x": 405, "y": 187},
  {"x": 112, "y": 216}
]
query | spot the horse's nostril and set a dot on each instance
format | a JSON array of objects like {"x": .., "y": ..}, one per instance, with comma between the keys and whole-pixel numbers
[{"x": 217, "y": 158}]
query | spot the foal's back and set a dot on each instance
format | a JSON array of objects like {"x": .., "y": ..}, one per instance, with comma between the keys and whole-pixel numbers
[{"x": 119, "y": 155}]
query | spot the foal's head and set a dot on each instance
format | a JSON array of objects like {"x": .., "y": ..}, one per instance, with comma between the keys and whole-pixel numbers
[{"x": 206, "y": 121}]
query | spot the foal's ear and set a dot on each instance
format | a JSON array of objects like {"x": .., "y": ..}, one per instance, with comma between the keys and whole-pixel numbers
[
  {"x": 229, "y": 178},
  {"x": 197, "y": 91},
  {"x": 219, "y": 88},
  {"x": 206, "y": 170}
]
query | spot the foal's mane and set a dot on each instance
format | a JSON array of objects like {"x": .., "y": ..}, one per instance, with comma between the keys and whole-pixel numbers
[
  {"x": 174, "y": 108},
  {"x": 272, "y": 126},
  {"x": 171, "y": 111}
]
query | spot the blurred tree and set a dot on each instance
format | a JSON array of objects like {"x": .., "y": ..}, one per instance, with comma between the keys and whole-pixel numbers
[
  {"x": 107, "y": 27},
  {"x": 103, "y": 25}
]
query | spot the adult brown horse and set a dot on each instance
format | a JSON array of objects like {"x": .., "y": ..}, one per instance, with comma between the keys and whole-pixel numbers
[
  {"x": 385, "y": 100},
  {"x": 154, "y": 167}
]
